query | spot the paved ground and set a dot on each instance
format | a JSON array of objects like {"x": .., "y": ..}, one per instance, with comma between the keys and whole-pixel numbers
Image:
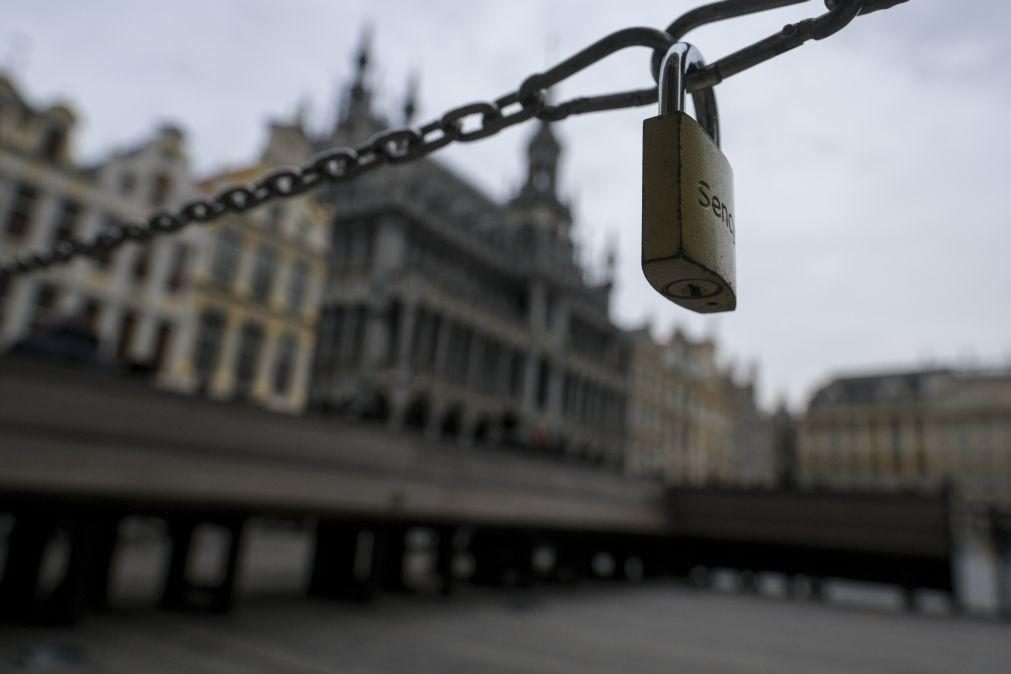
[{"x": 626, "y": 629}]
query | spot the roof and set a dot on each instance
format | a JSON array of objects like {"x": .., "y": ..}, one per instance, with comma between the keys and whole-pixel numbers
[{"x": 876, "y": 389}]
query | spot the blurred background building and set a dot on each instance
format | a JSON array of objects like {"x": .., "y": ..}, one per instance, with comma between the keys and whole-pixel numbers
[
  {"x": 689, "y": 421},
  {"x": 131, "y": 300},
  {"x": 227, "y": 309},
  {"x": 462, "y": 317},
  {"x": 911, "y": 430},
  {"x": 407, "y": 296},
  {"x": 254, "y": 302}
]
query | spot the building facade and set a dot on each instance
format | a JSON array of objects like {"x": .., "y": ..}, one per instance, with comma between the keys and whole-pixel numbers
[
  {"x": 461, "y": 317},
  {"x": 254, "y": 302},
  {"x": 689, "y": 422},
  {"x": 911, "y": 430},
  {"x": 162, "y": 307},
  {"x": 133, "y": 299}
]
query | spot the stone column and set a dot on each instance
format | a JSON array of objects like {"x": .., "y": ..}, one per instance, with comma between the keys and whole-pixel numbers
[
  {"x": 17, "y": 309},
  {"x": 107, "y": 327},
  {"x": 299, "y": 390},
  {"x": 263, "y": 378},
  {"x": 43, "y": 221},
  {"x": 177, "y": 372},
  {"x": 377, "y": 335}
]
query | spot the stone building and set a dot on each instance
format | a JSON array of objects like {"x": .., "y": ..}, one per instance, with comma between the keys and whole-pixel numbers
[
  {"x": 757, "y": 458},
  {"x": 254, "y": 302},
  {"x": 689, "y": 422},
  {"x": 459, "y": 316},
  {"x": 911, "y": 430},
  {"x": 134, "y": 298},
  {"x": 163, "y": 307}
]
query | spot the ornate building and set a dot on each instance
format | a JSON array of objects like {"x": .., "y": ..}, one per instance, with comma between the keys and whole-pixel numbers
[
  {"x": 254, "y": 302},
  {"x": 453, "y": 314},
  {"x": 911, "y": 430},
  {"x": 689, "y": 422},
  {"x": 227, "y": 309},
  {"x": 134, "y": 299}
]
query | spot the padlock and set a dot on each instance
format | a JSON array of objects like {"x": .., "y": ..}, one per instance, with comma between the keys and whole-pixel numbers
[{"x": 687, "y": 195}]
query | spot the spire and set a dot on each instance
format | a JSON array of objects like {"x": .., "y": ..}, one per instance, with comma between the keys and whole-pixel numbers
[
  {"x": 355, "y": 109},
  {"x": 538, "y": 207},
  {"x": 411, "y": 98},
  {"x": 543, "y": 153},
  {"x": 362, "y": 61}
]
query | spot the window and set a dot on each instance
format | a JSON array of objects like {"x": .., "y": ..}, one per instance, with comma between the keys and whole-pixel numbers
[
  {"x": 296, "y": 285},
  {"x": 302, "y": 229},
  {"x": 141, "y": 261},
  {"x": 104, "y": 259},
  {"x": 250, "y": 341},
  {"x": 45, "y": 304},
  {"x": 358, "y": 318},
  {"x": 491, "y": 366},
  {"x": 331, "y": 334},
  {"x": 127, "y": 183},
  {"x": 160, "y": 189},
  {"x": 275, "y": 219},
  {"x": 459, "y": 353},
  {"x": 208, "y": 345},
  {"x": 285, "y": 364},
  {"x": 127, "y": 329},
  {"x": 20, "y": 214},
  {"x": 66, "y": 221},
  {"x": 227, "y": 250},
  {"x": 516, "y": 374},
  {"x": 90, "y": 314},
  {"x": 263, "y": 272},
  {"x": 177, "y": 273},
  {"x": 543, "y": 374},
  {"x": 53, "y": 143}
]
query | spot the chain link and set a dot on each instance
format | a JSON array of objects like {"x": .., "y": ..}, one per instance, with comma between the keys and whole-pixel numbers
[{"x": 470, "y": 122}]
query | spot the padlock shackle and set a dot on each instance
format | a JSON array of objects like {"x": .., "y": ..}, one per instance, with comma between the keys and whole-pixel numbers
[{"x": 679, "y": 59}]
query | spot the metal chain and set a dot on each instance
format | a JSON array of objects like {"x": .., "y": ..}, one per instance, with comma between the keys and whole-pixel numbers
[{"x": 470, "y": 122}]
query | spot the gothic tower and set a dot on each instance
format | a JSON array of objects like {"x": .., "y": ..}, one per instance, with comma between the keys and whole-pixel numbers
[{"x": 538, "y": 203}]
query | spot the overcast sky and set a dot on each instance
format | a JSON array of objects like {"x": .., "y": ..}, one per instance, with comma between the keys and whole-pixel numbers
[{"x": 871, "y": 168}]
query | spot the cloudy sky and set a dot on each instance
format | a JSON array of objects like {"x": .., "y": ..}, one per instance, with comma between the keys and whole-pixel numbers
[{"x": 871, "y": 169}]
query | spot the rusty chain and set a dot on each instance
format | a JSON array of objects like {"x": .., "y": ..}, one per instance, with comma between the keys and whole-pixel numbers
[{"x": 472, "y": 122}]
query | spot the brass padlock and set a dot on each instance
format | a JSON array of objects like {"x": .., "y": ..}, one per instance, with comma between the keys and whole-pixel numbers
[{"x": 687, "y": 196}]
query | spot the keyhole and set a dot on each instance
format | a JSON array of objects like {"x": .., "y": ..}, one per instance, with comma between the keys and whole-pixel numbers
[{"x": 693, "y": 289}]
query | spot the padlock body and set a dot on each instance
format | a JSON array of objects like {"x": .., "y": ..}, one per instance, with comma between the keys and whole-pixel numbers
[{"x": 688, "y": 230}]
